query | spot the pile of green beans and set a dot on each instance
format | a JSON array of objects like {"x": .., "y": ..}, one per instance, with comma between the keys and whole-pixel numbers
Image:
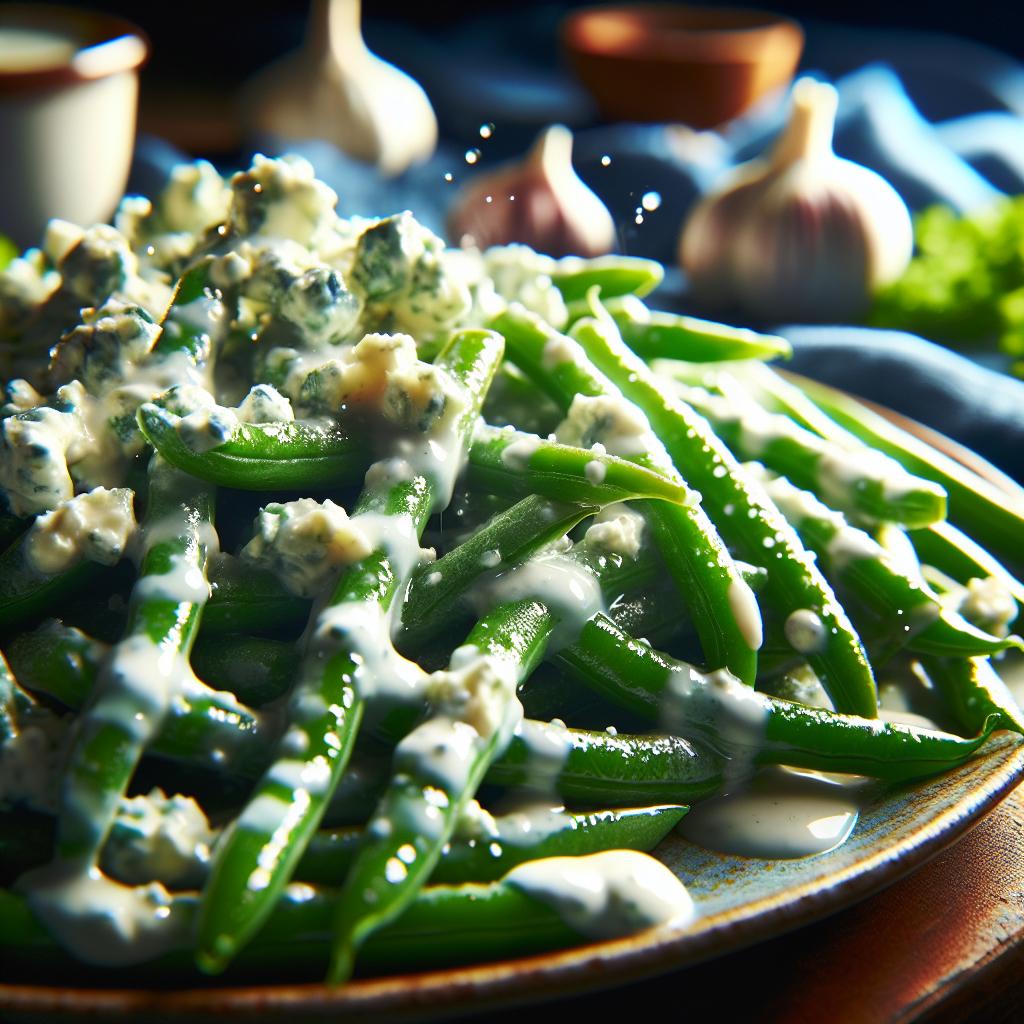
[{"x": 771, "y": 534}]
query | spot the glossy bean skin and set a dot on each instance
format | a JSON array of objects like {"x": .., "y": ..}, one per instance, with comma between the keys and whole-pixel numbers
[{"x": 748, "y": 518}]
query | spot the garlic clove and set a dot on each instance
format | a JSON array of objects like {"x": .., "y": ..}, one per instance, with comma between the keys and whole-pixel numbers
[
  {"x": 334, "y": 88},
  {"x": 540, "y": 202},
  {"x": 800, "y": 234}
]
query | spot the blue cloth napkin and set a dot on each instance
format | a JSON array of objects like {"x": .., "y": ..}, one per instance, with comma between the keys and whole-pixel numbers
[{"x": 979, "y": 407}]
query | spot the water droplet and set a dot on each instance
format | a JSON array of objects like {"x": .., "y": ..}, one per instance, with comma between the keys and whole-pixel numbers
[
  {"x": 472, "y": 155},
  {"x": 486, "y": 130},
  {"x": 448, "y": 176},
  {"x": 605, "y": 160},
  {"x": 650, "y": 201}
]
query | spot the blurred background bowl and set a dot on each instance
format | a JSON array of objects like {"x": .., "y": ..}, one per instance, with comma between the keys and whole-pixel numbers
[
  {"x": 68, "y": 99},
  {"x": 697, "y": 65}
]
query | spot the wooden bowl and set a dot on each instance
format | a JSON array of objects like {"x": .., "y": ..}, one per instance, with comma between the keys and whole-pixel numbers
[{"x": 674, "y": 62}]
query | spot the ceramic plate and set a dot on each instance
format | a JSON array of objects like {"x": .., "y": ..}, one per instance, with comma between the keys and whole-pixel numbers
[{"x": 740, "y": 901}]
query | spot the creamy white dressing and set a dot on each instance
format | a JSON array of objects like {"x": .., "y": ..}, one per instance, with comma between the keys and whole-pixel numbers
[
  {"x": 780, "y": 814},
  {"x": 746, "y": 613},
  {"x": 365, "y": 629},
  {"x": 569, "y": 590},
  {"x": 440, "y": 750},
  {"x": 516, "y": 456},
  {"x": 842, "y": 471},
  {"x": 736, "y": 714},
  {"x": 805, "y": 632},
  {"x": 607, "y": 895},
  {"x": 549, "y": 745},
  {"x": 33, "y": 49}
]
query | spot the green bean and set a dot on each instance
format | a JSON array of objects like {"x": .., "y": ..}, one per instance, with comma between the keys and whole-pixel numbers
[
  {"x": 514, "y": 463},
  {"x": 913, "y": 612},
  {"x": 201, "y": 726},
  {"x": 698, "y": 561},
  {"x": 249, "y": 598},
  {"x": 443, "y": 925},
  {"x": 506, "y": 460},
  {"x": 753, "y": 728},
  {"x": 255, "y": 669},
  {"x": 484, "y": 855},
  {"x": 438, "y": 767},
  {"x": 513, "y": 840},
  {"x": 974, "y": 693},
  {"x": 326, "y": 706},
  {"x": 506, "y": 540},
  {"x": 597, "y": 767},
  {"x": 58, "y": 661},
  {"x": 860, "y": 483},
  {"x": 613, "y": 275},
  {"x": 746, "y": 515},
  {"x": 262, "y": 456},
  {"x": 994, "y": 516},
  {"x": 126, "y": 713},
  {"x": 654, "y": 335},
  {"x": 26, "y": 593},
  {"x": 951, "y": 551}
]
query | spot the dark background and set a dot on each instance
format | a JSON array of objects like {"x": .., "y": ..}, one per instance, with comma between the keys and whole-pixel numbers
[{"x": 202, "y": 51}]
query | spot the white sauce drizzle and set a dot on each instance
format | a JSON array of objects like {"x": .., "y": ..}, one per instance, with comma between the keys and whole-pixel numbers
[
  {"x": 568, "y": 589},
  {"x": 780, "y": 814},
  {"x": 805, "y": 632},
  {"x": 607, "y": 895},
  {"x": 737, "y": 715},
  {"x": 746, "y": 613},
  {"x": 549, "y": 745},
  {"x": 517, "y": 455}
]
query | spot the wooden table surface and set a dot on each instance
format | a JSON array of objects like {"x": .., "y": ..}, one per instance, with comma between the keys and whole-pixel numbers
[{"x": 942, "y": 946}]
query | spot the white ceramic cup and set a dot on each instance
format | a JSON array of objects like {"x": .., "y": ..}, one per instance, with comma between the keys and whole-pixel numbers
[{"x": 68, "y": 101}]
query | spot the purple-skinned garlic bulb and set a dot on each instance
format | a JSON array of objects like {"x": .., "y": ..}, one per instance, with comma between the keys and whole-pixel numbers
[
  {"x": 540, "y": 202},
  {"x": 800, "y": 234}
]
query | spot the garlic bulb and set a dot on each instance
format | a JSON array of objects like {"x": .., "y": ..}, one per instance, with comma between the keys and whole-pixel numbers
[
  {"x": 334, "y": 88},
  {"x": 540, "y": 202},
  {"x": 801, "y": 234}
]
